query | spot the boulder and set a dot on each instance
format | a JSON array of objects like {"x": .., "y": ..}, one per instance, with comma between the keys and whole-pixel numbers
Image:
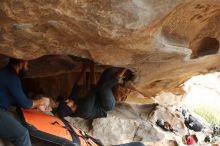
[{"x": 165, "y": 42}]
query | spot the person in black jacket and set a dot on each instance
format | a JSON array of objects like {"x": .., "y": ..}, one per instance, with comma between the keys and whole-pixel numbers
[{"x": 98, "y": 101}]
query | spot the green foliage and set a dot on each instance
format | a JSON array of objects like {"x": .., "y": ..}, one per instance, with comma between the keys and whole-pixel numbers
[{"x": 210, "y": 114}]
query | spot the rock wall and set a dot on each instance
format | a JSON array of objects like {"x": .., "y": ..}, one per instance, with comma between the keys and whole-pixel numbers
[
  {"x": 132, "y": 122},
  {"x": 191, "y": 23},
  {"x": 164, "y": 42}
]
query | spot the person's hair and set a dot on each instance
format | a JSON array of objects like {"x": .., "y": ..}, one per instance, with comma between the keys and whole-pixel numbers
[{"x": 14, "y": 62}]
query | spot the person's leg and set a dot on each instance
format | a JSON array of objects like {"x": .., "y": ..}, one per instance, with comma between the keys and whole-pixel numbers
[
  {"x": 104, "y": 91},
  {"x": 110, "y": 78},
  {"x": 107, "y": 74},
  {"x": 12, "y": 130},
  {"x": 106, "y": 99},
  {"x": 89, "y": 104}
]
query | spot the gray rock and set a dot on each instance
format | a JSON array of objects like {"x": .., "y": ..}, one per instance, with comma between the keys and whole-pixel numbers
[
  {"x": 22, "y": 26},
  {"x": 114, "y": 130},
  {"x": 80, "y": 123}
]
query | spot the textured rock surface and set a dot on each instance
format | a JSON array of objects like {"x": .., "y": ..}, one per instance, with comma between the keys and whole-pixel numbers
[
  {"x": 130, "y": 122},
  {"x": 154, "y": 38}
]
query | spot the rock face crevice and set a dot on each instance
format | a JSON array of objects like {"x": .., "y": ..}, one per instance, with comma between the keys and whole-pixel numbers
[
  {"x": 153, "y": 38},
  {"x": 206, "y": 46}
]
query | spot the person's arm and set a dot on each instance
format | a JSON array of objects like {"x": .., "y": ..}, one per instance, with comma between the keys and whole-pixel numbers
[
  {"x": 21, "y": 100},
  {"x": 16, "y": 91},
  {"x": 78, "y": 85}
]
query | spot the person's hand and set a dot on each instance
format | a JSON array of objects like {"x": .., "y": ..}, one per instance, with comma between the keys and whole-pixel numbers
[
  {"x": 69, "y": 103},
  {"x": 45, "y": 108},
  {"x": 121, "y": 73},
  {"x": 43, "y": 101}
]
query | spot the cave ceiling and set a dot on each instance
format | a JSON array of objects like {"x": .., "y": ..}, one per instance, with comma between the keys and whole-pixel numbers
[{"x": 165, "y": 42}]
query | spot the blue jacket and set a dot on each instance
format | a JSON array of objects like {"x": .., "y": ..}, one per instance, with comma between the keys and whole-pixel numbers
[{"x": 11, "y": 92}]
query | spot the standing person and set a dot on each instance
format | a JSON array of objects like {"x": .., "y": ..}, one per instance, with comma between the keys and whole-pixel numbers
[
  {"x": 11, "y": 93},
  {"x": 98, "y": 101}
]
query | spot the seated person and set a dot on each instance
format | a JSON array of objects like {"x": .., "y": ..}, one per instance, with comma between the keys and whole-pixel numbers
[{"x": 98, "y": 100}]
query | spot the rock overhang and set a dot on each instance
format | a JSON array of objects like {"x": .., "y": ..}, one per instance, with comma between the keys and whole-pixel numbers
[{"x": 126, "y": 34}]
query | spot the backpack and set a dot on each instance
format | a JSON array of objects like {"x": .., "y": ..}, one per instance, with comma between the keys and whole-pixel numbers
[
  {"x": 193, "y": 124},
  {"x": 54, "y": 130}
]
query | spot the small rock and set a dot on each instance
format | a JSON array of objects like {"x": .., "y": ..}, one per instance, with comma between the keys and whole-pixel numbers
[{"x": 22, "y": 26}]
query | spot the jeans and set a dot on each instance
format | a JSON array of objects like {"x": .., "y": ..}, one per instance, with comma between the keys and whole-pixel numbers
[
  {"x": 12, "y": 130},
  {"x": 101, "y": 94}
]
